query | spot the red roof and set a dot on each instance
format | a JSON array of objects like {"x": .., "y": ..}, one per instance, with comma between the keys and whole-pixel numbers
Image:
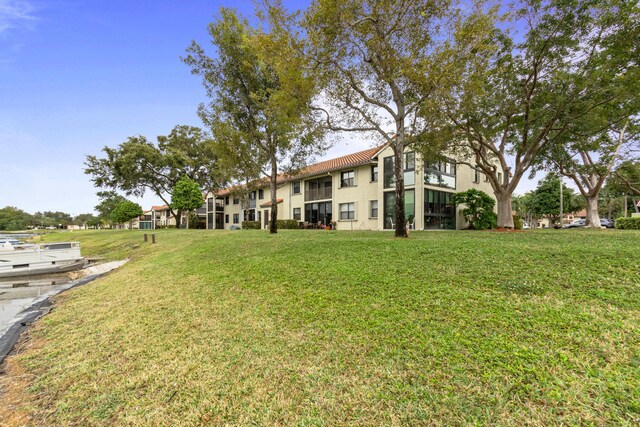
[
  {"x": 159, "y": 208},
  {"x": 267, "y": 204},
  {"x": 350, "y": 160}
]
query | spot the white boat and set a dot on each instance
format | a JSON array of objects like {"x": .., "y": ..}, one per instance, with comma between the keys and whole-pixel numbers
[{"x": 33, "y": 259}]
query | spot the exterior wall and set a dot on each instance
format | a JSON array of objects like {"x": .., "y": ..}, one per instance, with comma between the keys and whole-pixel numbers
[{"x": 360, "y": 194}]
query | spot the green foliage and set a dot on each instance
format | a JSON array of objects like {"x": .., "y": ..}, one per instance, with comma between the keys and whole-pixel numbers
[
  {"x": 289, "y": 224},
  {"x": 384, "y": 61},
  {"x": 109, "y": 200},
  {"x": 629, "y": 223},
  {"x": 518, "y": 222},
  {"x": 12, "y": 218},
  {"x": 260, "y": 89},
  {"x": 252, "y": 225},
  {"x": 125, "y": 211},
  {"x": 137, "y": 165},
  {"x": 479, "y": 211},
  {"x": 626, "y": 178},
  {"x": 186, "y": 195},
  {"x": 551, "y": 71},
  {"x": 545, "y": 199}
]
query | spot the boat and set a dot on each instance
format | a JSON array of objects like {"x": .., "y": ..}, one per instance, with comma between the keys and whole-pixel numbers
[
  {"x": 12, "y": 242},
  {"x": 44, "y": 258}
]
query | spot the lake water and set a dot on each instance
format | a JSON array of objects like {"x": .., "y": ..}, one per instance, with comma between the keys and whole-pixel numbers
[{"x": 19, "y": 293}]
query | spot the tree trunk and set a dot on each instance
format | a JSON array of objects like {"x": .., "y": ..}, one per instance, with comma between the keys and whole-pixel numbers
[
  {"x": 593, "y": 218},
  {"x": 505, "y": 216},
  {"x": 178, "y": 217},
  {"x": 273, "y": 225},
  {"x": 401, "y": 229}
]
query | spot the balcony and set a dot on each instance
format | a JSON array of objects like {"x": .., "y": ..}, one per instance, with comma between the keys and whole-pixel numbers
[{"x": 317, "y": 194}]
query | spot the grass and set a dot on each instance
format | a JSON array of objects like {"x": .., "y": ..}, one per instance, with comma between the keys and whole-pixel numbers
[{"x": 314, "y": 328}]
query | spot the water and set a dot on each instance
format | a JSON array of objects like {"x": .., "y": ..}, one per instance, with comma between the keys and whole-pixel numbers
[{"x": 18, "y": 293}]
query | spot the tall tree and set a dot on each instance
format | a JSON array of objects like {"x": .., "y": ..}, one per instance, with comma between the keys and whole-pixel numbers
[
  {"x": 627, "y": 177},
  {"x": 588, "y": 159},
  {"x": 125, "y": 212},
  {"x": 108, "y": 202},
  {"x": 545, "y": 199},
  {"x": 260, "y": 89},
  {"x": 186, "y": 196},
  {"x": 137, "y": 165},
  {"x": 553, "y": 63},
  {"x": 12, "y": 218},
  {"x": 382, "y": 62}
]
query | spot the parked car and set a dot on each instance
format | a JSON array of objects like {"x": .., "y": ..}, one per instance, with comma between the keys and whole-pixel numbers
[
  {"x": 609, "y": 223},
  {"x": 525, "y": 226},
  {"x": 576, "y": 224}
]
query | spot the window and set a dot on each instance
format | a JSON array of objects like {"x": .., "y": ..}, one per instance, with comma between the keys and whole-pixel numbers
[
  {"x": 236, "y": 200},
  {"x": 297, "y": 214},
  {"x": 347, "y": 211},
  {"x": 441, "y": 174},
  {"x": 347, "y": 179},
  {"x": 296, "y": 187},
  {"x": 389, "y": 207},
  {"x": 236, "y": 218},
  {"x": 374, "y": 173},
  {"x": 226, "y": 201},
  {"x": 439, "y": 210},
  {"x": 373, "y": 209},
  {"x": 252, "y": 195},
  {"x": 260, "y": 194},
  {"x": 409, "y": 161},
  {"x": 410, "y": 168},
  {"x": 226, "y": 218},
  {"x": 500, "y": 177},
  {"x": 389, "y": 177},
  {"x": 476, "y": 177}
]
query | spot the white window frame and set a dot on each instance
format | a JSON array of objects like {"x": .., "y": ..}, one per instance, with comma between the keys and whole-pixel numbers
[{"x": 350, "y": 213}]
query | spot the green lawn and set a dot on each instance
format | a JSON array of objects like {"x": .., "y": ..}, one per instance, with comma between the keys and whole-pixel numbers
[{"x": 318, "y": 328}]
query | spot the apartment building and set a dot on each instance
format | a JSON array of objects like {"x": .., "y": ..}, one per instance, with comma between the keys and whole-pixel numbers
[{"x": 355, "y": 192}]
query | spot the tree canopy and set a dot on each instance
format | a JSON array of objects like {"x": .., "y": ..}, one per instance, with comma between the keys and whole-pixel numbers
[
  {"x": 137, "y": 165},
  {"x": 552, "y": 65},
  {"x": 186, "y": 196},
  {"x": 382, "y": 63},
  {"x": 260, "y": 89},
  {"x": 126, "y": 211}
]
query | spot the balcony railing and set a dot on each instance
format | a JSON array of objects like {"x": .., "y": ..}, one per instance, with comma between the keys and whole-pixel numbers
[{"x": 317, "y": 194}]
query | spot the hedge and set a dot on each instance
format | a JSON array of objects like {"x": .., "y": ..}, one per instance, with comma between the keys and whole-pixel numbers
[
  {"x": 632, "y": 223},
  {"x": 251, "y": 225},
  {"x": 290, "y": 224},
  {"x": 282, "y": 224}
]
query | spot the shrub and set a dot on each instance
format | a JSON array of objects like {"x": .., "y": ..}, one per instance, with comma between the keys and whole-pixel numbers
[
  {"x": 479, "y": 210},
  {"x": 632, "y": 223},
  {"x": 518, "y": 222},
  {"x": 284, "y": 224},
  {"x": 251, "y": 225}
]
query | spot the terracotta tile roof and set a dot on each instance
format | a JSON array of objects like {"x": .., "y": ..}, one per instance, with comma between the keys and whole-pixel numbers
[
  {"x": 159, "y": 208},
  {"x": 267, "y": 204},
  {"x": 350, "y": 160}
]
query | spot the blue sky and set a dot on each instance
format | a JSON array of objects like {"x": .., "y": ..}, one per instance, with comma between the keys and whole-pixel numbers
[{"x": 76, "y": 75}]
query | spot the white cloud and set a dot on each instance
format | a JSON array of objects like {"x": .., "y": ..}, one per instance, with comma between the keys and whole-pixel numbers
[{"x": 15, "y": 14}]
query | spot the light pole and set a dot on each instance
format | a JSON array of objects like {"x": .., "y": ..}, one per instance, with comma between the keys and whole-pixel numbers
[{"x": 561, "y": 207}]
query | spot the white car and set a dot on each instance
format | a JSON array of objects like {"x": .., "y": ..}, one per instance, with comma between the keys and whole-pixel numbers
[{"x": 525, "y": 226}]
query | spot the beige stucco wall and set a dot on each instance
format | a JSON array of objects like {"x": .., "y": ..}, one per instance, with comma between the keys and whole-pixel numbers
[{"x": 361, "y": 194}]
